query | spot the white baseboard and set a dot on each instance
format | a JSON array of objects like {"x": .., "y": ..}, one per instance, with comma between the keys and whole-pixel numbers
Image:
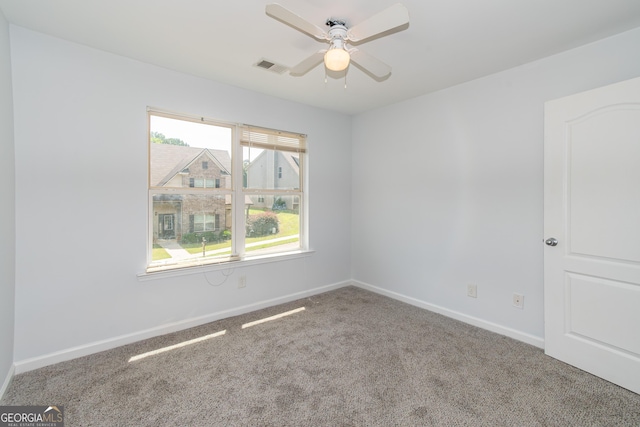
[
  {"x": 7, "y": 380},
  {"x": 490, "y": 326},
  {"x": 98, "y": 346}
]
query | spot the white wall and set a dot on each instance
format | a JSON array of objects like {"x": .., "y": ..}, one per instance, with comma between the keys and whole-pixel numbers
[
  {"x": 457, "y": 198},
  {"x": 448, "y": 187},
  {"x": 7, "y": 210},
  {"x": 81, "y": 199}
]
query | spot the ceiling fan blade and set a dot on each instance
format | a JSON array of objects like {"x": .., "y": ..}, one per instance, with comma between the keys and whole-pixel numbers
[
  {"x": 285, "y": 15},
  {"x": 386, "y": 20},
  {"x": 308, "y": 64},
  {"x": 373, "y": 65}
]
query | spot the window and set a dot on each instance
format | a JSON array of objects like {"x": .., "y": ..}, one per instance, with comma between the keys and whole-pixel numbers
[
  {"x": 204, "y": 182},
  {"x": 204, "y": 222},
  {"x": 214, "y": 194},
  {"x": 168, "y": 222}
]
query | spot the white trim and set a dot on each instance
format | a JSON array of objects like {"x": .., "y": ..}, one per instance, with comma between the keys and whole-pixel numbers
[
  {"x": 108, "y": 344},
  {"x": 480, "y": 323},
  {"x": 238, "y": 225},
  {"x": 7, "y": 380}
]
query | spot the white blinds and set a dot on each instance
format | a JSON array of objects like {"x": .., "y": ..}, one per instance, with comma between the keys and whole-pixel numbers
[{"x": 271, "y": 139}]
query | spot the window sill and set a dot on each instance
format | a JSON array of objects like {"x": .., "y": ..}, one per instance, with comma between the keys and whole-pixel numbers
[{"x": 246, "y": 262}]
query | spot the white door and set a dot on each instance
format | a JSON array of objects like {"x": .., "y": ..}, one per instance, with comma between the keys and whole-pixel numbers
[{"x": 592, "y": 210}]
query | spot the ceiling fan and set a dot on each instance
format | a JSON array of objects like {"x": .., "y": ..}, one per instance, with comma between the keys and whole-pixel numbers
[{"x": 338, "y": 55}]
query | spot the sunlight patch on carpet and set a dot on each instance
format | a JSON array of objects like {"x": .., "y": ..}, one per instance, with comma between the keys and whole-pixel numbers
[
  {"x": 179, "y": 345},
  {"x": 277, "y": 316}
]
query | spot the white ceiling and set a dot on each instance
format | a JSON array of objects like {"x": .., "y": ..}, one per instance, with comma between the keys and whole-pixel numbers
[{"x": 446, "y": 43}]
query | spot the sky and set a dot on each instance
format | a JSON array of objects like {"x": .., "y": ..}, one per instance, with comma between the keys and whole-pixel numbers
[
  {"x": 195, "y": 134},
  {"x": 202, "y": 135}
]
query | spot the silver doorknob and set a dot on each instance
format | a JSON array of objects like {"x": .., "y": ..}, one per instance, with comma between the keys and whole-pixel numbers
[{"x": 551, "y": 241}]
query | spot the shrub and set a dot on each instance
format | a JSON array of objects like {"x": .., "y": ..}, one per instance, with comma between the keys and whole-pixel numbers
[
  {"x": 262, "y": 224},
  {"x": 190, "y": 238},
  {"x": 210, "y": 236},
  {"x": 279, "y": 204}
]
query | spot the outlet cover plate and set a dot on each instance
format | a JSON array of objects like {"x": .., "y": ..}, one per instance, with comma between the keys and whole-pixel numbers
[
  {"x": 518, "y": 301},
  {"x": 472, "y": 291}
]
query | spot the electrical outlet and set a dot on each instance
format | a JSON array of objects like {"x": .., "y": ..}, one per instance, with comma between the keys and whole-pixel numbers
[
  {"x": 242, "y": 281},
  {"x": 518, "y": 301},
  {"x": 472, "y": 291}
]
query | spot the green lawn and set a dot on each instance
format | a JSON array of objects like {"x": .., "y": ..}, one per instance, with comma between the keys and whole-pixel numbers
[
  {"x": 289, "y": 224},
  {"x": 158, "y": 253},
  {"x": 268, "y": 245},
  {"x": 195, "y": 248}
]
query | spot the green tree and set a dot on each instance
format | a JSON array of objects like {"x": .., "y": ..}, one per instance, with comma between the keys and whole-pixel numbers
[{"x": 159, "y": 138}]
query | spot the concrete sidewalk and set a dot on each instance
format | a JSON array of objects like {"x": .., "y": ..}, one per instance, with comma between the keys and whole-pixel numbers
[
  {"x": 172, "y": 247},
  {"x": 177, "y": 252}
]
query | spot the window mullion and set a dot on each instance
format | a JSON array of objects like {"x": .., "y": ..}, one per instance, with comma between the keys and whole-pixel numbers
[{"x": 238, "y": 211}]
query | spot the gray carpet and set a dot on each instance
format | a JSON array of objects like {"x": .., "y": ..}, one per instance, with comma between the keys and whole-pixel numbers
[{"x": 351, "y": 358}]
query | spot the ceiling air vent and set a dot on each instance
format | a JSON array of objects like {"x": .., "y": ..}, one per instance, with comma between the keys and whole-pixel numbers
[{"x": 271, "y": 66}]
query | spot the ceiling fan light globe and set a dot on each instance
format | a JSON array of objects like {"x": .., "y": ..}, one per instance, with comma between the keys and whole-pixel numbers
[{"x": 336, "y": 59}]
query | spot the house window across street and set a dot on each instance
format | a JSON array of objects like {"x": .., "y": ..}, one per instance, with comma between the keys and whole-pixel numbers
[
  {"x": 212, "y": 193},
  {"x": 204, "y": 222}
]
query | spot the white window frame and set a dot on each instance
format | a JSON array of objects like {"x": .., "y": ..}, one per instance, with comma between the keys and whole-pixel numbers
[{"x": 238, "y": 193}]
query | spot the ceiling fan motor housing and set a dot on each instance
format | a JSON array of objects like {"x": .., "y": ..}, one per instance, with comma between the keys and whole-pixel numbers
[{"x": 338, "y": 36}]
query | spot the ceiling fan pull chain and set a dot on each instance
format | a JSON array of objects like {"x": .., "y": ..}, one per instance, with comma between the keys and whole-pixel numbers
[{"x": 345, "y": 81}]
